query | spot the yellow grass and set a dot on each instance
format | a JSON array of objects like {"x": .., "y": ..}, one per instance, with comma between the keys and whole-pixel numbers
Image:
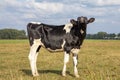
[{"x": 98, "y": 60}]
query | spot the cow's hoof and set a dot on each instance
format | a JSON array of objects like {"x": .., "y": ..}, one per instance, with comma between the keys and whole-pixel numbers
[
  {"x": 77, "y": 76},
  {"x": 35, "y": 75},
  {"x": 63, "y": 74}
]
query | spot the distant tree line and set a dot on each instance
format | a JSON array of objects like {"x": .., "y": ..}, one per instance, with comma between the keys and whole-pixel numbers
[
  {"x": 21, "y": 34},
  {"x": 103, "y": 35},
  {"x": 12, "y": 34}
]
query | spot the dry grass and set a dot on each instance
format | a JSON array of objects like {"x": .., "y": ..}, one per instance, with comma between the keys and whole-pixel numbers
[{"x": 98, "y": 60}]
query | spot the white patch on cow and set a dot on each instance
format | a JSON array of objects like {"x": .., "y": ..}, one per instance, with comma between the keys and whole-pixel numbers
[
  {"x": 63, "y": 44},
  {"x": 81, "y": 31},
  {"x": 68, "y": 27},
  {"x": 33, "y": 58},
  {"x": 75, "y": 60},
  {"x": 36, "y": 22},
  {"x": 75, "y": 50},
  {"x": 56, "y": 50},
  {"x": 38, "y": 41},
  {"x": 66, "y": 60}
]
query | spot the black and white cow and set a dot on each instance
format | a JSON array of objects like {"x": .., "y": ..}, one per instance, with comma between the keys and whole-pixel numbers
[{"x": 68, "y": 37}]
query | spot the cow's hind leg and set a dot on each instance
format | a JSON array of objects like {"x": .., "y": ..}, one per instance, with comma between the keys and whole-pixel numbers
[
  {"x": 75, "y": 62},
  {"x": 33, "y": 58}
]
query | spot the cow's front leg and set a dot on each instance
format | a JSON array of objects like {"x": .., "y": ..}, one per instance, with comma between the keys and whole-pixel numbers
[
  {"x": 66, "y": 60},
  {"x": 75, "y": 62}
]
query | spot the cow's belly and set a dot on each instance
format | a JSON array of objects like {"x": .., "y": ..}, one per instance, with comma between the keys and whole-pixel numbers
[
  {"x": 54, "y": 50},
  {"x": 51, "y": 46},
  {"x": 55, "y": 46}
]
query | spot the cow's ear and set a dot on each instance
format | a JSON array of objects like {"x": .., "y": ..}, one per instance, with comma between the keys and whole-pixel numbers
[
  {"x": 73, "y": 21},
  {"x": 91, "y": 20}
]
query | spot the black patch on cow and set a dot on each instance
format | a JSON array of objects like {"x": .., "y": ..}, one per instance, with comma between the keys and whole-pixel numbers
[
  {"x": 52, "y": 36},
  {"x": 38, "y": 49}
]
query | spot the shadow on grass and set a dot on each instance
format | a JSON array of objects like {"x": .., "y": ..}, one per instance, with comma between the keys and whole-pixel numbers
[{"x": 58, "y": 72}]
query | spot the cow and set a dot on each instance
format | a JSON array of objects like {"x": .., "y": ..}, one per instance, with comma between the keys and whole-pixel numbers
[{"x": 67, "y": 38}]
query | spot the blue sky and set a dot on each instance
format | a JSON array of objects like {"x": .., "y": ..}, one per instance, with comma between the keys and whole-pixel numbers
[{"x": 17, "y": 13}]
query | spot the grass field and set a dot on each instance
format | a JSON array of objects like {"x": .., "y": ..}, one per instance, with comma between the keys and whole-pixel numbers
[{"x": 98, "y": 60}]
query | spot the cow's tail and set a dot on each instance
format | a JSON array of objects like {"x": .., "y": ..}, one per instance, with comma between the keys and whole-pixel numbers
[{"x": 29, "y": 33}]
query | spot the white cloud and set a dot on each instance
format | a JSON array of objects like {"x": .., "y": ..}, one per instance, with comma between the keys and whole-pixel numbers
[
  {"x": 29, "y": 15},
  {"x": 13, "y": 3},
  {"x": 101, "y": 2},
  {"x": 119, "y": 9},
  {"x": 108, "y": 2},
  {"x": 49, "y": 7},
  {"x": 45, "y": 7}
]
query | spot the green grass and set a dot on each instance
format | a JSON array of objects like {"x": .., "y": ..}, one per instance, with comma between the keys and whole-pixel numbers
[{"x": 98, "y": 60}]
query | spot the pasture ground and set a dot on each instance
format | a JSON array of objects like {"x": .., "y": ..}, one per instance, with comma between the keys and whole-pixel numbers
[{"x": 98, "y": 60}]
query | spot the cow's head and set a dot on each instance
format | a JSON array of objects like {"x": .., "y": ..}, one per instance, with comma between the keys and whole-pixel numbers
[
  {"x": 81, "y": 23},
  {"x": 84, "y": 20}
]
